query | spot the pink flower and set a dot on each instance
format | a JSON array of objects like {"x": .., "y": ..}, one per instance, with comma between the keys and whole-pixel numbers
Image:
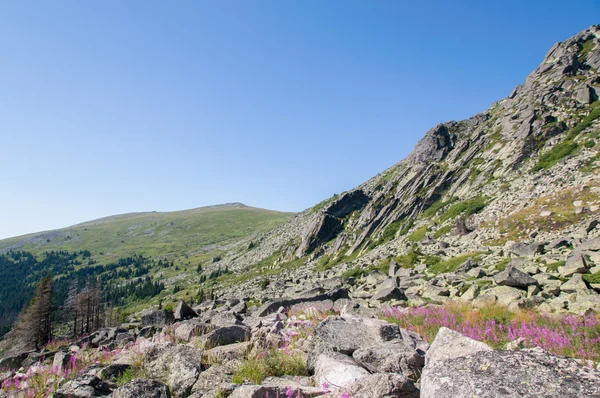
[
  {"x": 289, "y": 393},
  {"x": 325, "y": 386},
  {"x": 345, "y": 395}
]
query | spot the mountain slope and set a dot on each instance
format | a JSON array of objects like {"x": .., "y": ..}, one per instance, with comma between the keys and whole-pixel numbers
[
  {"x": 526, "y": 168},
  {"x": 190, "y": 233}
]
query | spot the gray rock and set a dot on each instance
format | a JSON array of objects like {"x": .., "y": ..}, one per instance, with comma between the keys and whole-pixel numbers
[
  {"x": 575, "y": 285},
  {"x": 391, "y": 357},
  {"x": 382, "y": 385},
  {"x": 176, "y": 365},
  {"x": 226, "y": 335},
  {"x": 512, "y": 276},
  {"x": 393, "y": 268},
  {"x": 576, "y": 263},
  {"x": 85, "y": 386},
  {"x": 506, "y": 294},
  {"x": 449, "y": 344},
  {"x": 347, "y": 334},
  {"x": 157, "y": 318},
  {"x": 522, "y": 249},
  {"x": 525, "y": 373},
  {"x": 61, "y": 360},
  {"x": 113, "y": 371},
  {"x": 142, "y": 389},
  {"x": 388, "y": 293},
  {"x": 14, "y": 361},
  {"x": 186, "y": 330},
  {"x": 273, "y": 306},
  {"x": 337, "y": 369},
  {"x": 183, "y": 311}
]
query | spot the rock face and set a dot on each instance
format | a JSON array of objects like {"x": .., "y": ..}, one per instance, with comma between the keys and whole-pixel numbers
[{"x": 526, "y": 373}]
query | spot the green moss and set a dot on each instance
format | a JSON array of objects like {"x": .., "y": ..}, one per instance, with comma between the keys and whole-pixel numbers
[{"x": 467, "y": 208}]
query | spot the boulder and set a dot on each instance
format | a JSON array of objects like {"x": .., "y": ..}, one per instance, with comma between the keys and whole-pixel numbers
[
  {"x": 186, "y": 330},
  {"x": 226, "y": 335},
  {"x": 450, "y": 344},
  {"x": 183, "y": 311},
  {"x": 576, "y": 264},
  {"x": 512, "y": 276},
  {"x": 524, "y": 373},
  {"x": 388, "y": 293},
  {"x": 142, "y": 389},
  {"x": 177, "y": 365},
  {"x": 391, "y": 357},
  {"x": 157, "y": 318},
  {"x": 382, "y": 385},
  {"x": 13, "y": 362},
  {"x": 227, "y": 318},
  {"x": 337, "y": 369},
  {"x": 575, "y": 285},
  {"x": 523, "y": 249},
  {"x": 296, "y": 387},
  {"x": 61, "y": 360},
  {"x": 273, "y": 306},
  {"x": 506, "y": 294},
  {"x": 227, "y": 352},
  {"x": 347, "y": 334},
  {"x": 114, "y": 371},
  {"x": 85, "y": 386}
]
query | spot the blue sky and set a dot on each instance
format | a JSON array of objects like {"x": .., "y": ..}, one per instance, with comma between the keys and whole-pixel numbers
[{"x": 116, "y": 106}]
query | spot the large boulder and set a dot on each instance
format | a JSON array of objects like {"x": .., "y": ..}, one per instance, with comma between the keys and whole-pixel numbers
[
  {"x": 575, "y": 285},
  {"x": 186, "y": 330},
  {"x": 183, "y": 311},
  {"x": 142, "y": 389},
  {"x": 177, "y": 365},
  {"x": 525, "y": 373},
  {"x": 272, "y": 387},
  {"x": 451, "y": 344},
  {"x": 512, "y": 276},
  {"x": 506, "y": 294},
  {"x": 86, "y": 386},
  {"x": 523, "y": 249},
  {"x": 382, "y": 385},
  {"x": 226, "y": 335},
  {"x": 388, "y": 293},
  {"x": 157, "y": 318},
  {"x": 337, "y": 369},
  {"x": 273, "y": 306},
  {"x": 13, "y": 362},
  {"x": 347, "y": 334},
  {"x": 576, "y": 263},
  {"x": 391, "y": 357}
]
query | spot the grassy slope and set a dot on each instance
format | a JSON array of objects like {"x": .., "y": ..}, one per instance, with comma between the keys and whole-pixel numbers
[{"x": 189, "y": 233}]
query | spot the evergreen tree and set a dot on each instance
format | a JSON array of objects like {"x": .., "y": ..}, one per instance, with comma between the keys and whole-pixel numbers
[{"x": 34, "y": 325}]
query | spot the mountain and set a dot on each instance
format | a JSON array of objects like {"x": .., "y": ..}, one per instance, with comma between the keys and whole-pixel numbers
[
  {"x": 525, "y": 170},
  {"x": 478, "y": 253},
  {"x": 139, "y": 250}
]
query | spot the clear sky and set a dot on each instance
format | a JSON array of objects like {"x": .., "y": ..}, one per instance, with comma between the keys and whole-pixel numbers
[{"x": 109, "y": 107}]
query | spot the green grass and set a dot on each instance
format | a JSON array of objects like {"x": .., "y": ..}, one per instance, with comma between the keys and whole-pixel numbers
[
  {"x": 443, "y": 231},
  {"x": 555, "y": 155},
  {"x": 274, "y": 363},
  {"x": 419, "y": 234},
  {"x": 127, "y": 376},
  {"x": 437, "y": 206},
  {"x": 452, "y": 264},
  {"x": 586, "y": 47},
  {"x": 554, "y": 266},
  {"x": 592, "y": 278},
  {"x": 174, "y": 234},
  {"x": 501, "y": 265},
  {"x": 467, "y": 208}
]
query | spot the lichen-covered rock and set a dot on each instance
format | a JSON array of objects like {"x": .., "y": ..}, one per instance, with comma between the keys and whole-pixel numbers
[
  {"x": 450, "y": 344},
  {"x": 382, "y": 385},
  {"x": 492, "y": 374},
  {"x": 337, "y": 369},
  {"x": 85, "y": 386},
  {"x": 176, "y": 365},
  {"x": 391, "y": 357},
  {"x": 142, "y": 389},
  {"x": 347, "y": 334}
]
